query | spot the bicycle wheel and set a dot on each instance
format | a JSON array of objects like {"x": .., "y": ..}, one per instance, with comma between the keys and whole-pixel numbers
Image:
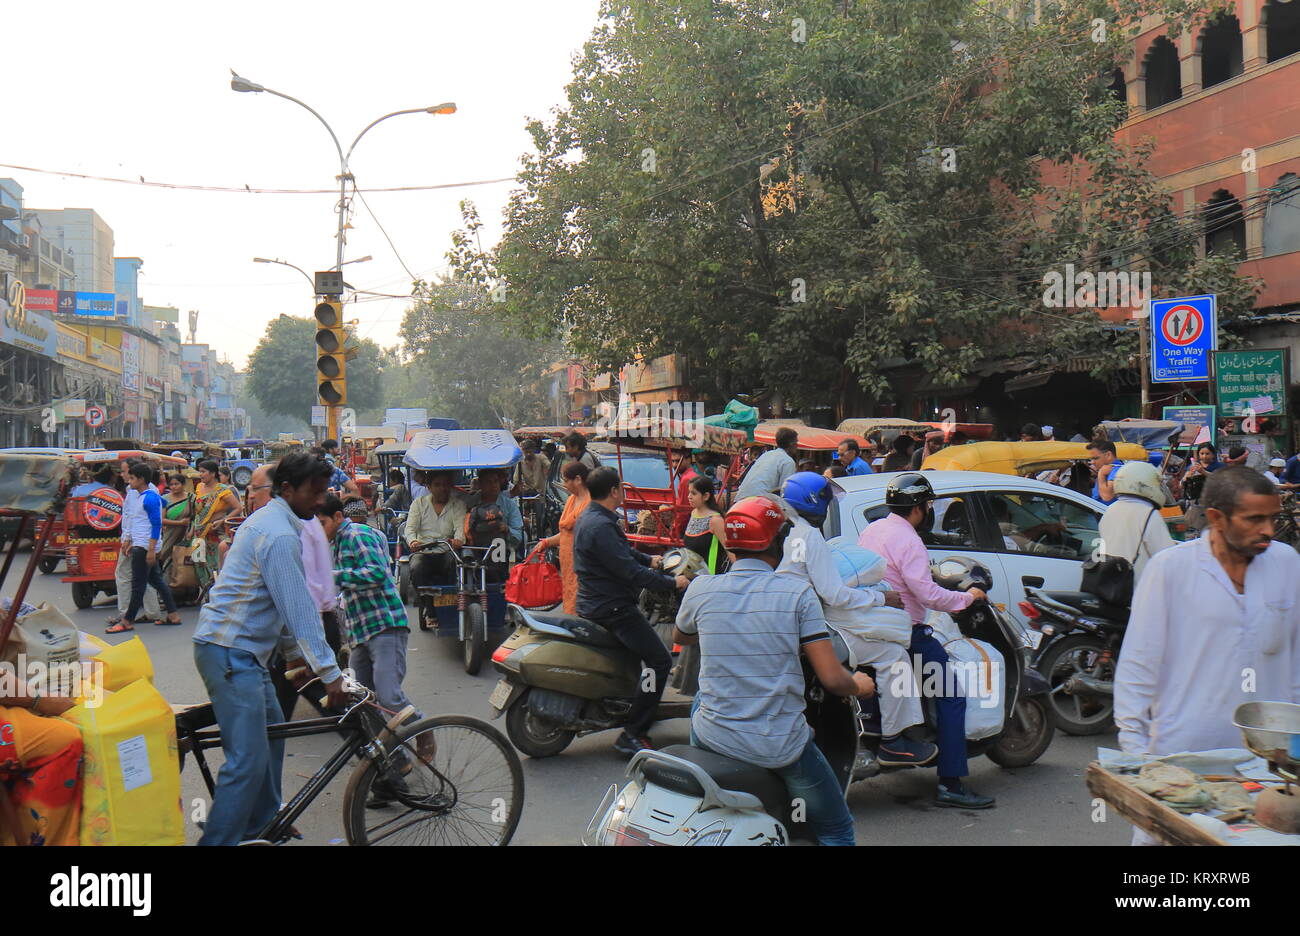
[{"x": 467, "y": 788}]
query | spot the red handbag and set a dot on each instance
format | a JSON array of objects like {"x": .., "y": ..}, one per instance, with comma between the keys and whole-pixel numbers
[{"x": 534, "y": 583}]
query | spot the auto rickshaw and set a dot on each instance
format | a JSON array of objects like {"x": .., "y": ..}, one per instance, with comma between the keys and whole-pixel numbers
[
  {"x": 247, "y": 455},
  {"x": 94, "y": 524},
  {"x": 814, "y": 442},
  {"x": 472, "y": 604}
]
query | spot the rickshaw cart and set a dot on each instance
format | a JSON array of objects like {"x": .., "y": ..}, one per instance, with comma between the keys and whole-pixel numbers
[
  {"x": 249, "y": 453},
  {"x": 56, "y": 546},
  {"x": 32, "y": 490},
  {"x": 94, "y": 524},
  {"x": 471, "y": 605},
  {"x": 812, "y": 439},
  {"x": 674, "y": 437}
]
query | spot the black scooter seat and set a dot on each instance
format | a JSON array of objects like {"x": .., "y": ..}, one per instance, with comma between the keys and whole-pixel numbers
[
  {"x": 1089, "y": 603},
  {"x": 728, "y": 773},
  {"x": 581, "y": 629}
]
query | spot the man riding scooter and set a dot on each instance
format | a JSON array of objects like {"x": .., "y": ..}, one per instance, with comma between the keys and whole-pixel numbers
[
  {"x": 895, "y": 537},
  {"x": 807, "y": 495},
  {"x": 751, "y": 626}
]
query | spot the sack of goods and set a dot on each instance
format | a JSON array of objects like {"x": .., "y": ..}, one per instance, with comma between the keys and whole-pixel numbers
[
  {"x": 861, "y": 568},
  {"x": 131, "y": 772},
  {"x": 976, "y": 672}
]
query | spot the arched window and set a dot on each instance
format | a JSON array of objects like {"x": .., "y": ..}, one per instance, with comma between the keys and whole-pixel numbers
[
  {"x": 1282, "y": 28},
  {"x": 1220, "y": 50},
  {"x": 1282, "y": 217},
  {"x": 1119, "y": 88},
  {"x": 1163, "y": 75},
  {"x": 1225, "y": 225}
]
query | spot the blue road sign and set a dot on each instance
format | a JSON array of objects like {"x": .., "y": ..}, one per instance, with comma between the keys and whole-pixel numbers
[{"x": 1183, "y": 333}]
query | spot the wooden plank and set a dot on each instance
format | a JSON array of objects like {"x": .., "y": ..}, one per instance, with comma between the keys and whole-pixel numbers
[{"x": 1146, "y": 812}]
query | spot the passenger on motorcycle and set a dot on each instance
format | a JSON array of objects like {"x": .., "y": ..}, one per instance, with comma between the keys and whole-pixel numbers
[
  {"x": 895, "y": 537},
  {"x": 807, "y": 556},
  {"x": 751, "y": 626},
  {"x": 1132, "y": 527}
]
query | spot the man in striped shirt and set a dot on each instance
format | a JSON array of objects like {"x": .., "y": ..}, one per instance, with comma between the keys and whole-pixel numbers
[{"x": 261, "y": 602}]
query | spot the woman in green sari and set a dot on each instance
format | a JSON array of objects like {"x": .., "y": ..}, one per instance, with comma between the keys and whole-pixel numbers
[
  {"x": 178, "y": 514},
  {"x": 213, "y": 503}
]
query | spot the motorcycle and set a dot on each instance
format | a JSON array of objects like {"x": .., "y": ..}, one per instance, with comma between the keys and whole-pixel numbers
[
  {"x": 564, "y": 676},
  {"x": 1079, "y": 655},
  {"x": 684, "y": 795}
]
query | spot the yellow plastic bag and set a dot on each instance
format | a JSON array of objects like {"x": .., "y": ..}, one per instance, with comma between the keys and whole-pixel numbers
[
  {"x": 125, "y": 663},
  {"x": 131, "y": 775}
]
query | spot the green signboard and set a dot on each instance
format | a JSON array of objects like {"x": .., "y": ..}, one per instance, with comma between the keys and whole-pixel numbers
[
  {"x": 1251, "y": 382},
  {"x": 1194, "y": 419}
]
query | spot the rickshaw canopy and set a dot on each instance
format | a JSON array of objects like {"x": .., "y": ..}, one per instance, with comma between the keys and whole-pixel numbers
[
  {"x": 654, "y": 432},
  {"x": 1148, "y": 433},
  {"x": 30, "y": 483},
  {"x": 242, "y": 443},
  {"x": 969, "y": 430},
  {"x": 1020, "y": 458},
  {"x": 890, "y": 427},
  {"x": 118, "y": 456},
  {"x": 460, "y": 449},
  {"x": 811, "y": 438},
  {"x": 524, "y": 432}
]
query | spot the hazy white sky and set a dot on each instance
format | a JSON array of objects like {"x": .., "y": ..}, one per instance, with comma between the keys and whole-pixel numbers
[{"x": 142, "y": 88}]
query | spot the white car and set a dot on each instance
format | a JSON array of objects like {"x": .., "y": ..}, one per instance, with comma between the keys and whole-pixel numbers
[{"x": 1026, "y": 532}]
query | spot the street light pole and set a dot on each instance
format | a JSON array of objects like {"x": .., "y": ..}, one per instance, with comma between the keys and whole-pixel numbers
[{"x": 239, "y": 83}]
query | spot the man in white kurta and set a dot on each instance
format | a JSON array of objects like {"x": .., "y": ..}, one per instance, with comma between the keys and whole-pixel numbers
[
  {"x": 807, "y": 556},
  {"x": 1197, "y": 645}
]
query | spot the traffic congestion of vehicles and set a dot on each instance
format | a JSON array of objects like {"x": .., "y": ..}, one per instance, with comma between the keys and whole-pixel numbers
[{"x": 995, "y": 526}]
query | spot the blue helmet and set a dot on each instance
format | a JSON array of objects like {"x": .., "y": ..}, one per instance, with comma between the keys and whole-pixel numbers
[{"x": 808, "y": 492}]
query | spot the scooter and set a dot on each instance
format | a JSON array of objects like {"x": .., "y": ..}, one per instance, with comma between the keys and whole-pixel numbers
[
  {"x": 683, "y": 795},
  {"x": 564, "y": 676},
  {"x": 1078, "y": 657}
]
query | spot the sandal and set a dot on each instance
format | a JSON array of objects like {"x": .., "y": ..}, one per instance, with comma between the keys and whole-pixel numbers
[
  {"x": 115, "y": 619},
  {"x": 121, "y": 627},
  {"x": 163, "y": 621}
]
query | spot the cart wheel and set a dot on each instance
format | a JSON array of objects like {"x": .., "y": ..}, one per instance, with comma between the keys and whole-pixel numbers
[
  {"x": 83, "y": 595},
  {"x": 475, "y": 643},
  {"x": 49, "y": 563},
  {"x": 404, "y": 584}
]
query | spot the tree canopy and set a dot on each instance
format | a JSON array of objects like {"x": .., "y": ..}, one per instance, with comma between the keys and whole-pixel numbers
[
  {"x": 282, "y": 370},
  {"x": 459, "y": 358},
  {"x": 805, "y": 194}
]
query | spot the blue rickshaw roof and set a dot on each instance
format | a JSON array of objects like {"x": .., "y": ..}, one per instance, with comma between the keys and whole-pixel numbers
[{"x": 462, "y": 449}]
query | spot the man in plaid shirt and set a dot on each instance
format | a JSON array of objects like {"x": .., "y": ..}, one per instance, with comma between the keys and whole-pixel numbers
[{"x": 374, "y": 614}]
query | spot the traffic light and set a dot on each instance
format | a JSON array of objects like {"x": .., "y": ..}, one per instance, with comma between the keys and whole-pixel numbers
[{"x": 331, "y": 355}]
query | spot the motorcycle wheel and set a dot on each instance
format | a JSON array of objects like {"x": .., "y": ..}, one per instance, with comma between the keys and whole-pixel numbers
[
  {"x": 1078, "y": 654},
  {"x": 475, "y": 644},
  {"x": 83, "y": 595},
  {"x": 531, "y": 736},
  {"x": 49, "y": 563},
  {"x": 1027, "y": 734}
]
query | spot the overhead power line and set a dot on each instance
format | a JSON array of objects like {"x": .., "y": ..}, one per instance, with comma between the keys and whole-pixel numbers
[{"x": 247, "y": 190}]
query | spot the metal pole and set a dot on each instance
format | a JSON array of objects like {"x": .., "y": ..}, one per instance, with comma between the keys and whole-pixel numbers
[{"x": 1144, "y": 360}]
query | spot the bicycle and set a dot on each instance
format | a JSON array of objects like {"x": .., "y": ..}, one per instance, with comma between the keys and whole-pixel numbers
[{"x": 453, "y": 779}]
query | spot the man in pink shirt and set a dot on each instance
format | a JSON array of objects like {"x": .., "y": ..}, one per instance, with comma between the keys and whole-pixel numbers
[{"x": 895, "y": 537}]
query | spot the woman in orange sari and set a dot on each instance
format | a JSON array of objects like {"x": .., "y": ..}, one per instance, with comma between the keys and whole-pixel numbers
[
  {"x": 575, "y": 482},
  {"x": 40, "y": 762}
]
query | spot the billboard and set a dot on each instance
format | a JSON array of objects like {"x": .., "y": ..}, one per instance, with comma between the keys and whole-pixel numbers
[{"x": 90, "y": 304}]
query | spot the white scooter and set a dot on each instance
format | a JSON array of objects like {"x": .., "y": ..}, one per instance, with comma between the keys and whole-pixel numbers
[{"x": 683, "y": 795}]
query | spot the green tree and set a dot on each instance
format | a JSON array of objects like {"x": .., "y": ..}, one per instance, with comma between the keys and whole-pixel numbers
[
  {"x": 282, "y": 370},
  {"x": 804, "y": 194},
  {"x": 460, "y": 359}
]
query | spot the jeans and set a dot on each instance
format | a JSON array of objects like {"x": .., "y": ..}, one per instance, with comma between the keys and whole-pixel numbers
[
  {"x": 634, "y": 632},
  {"x": 811, "y": 779},
  {"x": 949, "y": 710},
  {"x": 247, "y": 795},
  {"x": 142, "y": 574},
  {"x": 380, "y": 664},
  {"x": 122, "y": 574},
  {"x": 428, "y": 569}
]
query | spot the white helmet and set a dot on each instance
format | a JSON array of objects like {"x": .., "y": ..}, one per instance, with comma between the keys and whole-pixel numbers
[{"x": 1140, "y": 479}]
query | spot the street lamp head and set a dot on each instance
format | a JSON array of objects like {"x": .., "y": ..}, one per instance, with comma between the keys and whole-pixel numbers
[
  {"x": 446, "y": 107},
  {"x": 239, "y": 83},
  {"x": 262, "y": 260}
]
